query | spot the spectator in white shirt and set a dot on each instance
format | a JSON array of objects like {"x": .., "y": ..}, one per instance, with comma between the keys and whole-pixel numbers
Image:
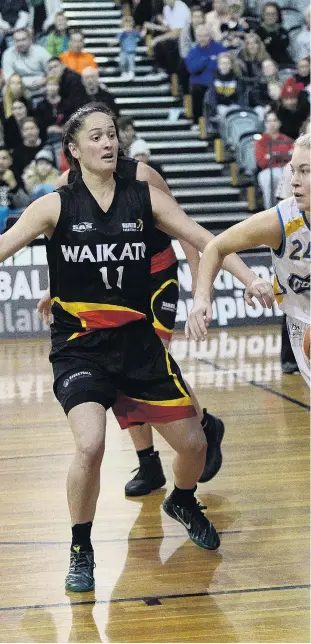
[
  {"x": 176, "y": 16},
  {"x": 27, "y": 60}
]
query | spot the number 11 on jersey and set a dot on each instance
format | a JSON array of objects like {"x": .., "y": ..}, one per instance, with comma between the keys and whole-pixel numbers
[{"x": 104, "y": 273}]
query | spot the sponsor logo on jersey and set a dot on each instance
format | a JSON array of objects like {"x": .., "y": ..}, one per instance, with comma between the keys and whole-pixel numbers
[
  {"x": 168, "y": 306},
  {"x": 83, "y": 227},
  {"x": 74, "y": 376},
  {"x": 295, "y": 331},
  {"x": 299, "y": 284},
  {"x": 132, "y": 227}
]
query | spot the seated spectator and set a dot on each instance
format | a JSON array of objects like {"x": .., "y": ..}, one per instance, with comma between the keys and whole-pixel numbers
[
  {"x": 27, "y": 60},
  {"x": 70, "y": 84},
  {"x": 274, "y": 90},
  {"x": 75, "y": 58},
  {"x": 176, "y": 16},
  {"x": 129, "y": 39},
  {"x": 13, "y": 125},
  {"x": 94, "y": 92},
  {"x": 31, "y": 145},
  {"x": 51, "y": 116},
  {"x": 185, "y": 42},
  {"x": 272, "y": 151},
  {"x": 273, "y": 35},
  {"x": 226, "y": 88},
  {"x": 201, "y": 63},
  {"x": 44, "y": 177},
  {"x": 16, "y": 196},
  {"x": 214, "y": 19},
  {"x": 58, "y": 38},
  {"x": 303, "y": 38},
  {"x": 258, "y": 96},
  {"x": 14, "y": 89},
  {"x": 252, "y": 55},
  {"x": 13, "y": 15},
  {"x": 302, "y": 76},
  {"x": 294, "y": 109},
  {"x": 126, "y": 132},
  {"x": 43, "y": 13},
  {"x": 140, "y": 152},
  {"x": 233, "y": 30}
]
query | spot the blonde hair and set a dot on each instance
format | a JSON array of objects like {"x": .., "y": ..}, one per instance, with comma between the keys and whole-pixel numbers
[
  {"x": 234, "y": 63},
  {"x": 303, "y": 141},
  {"x": 262, "y": 53},
  {"x": 8, "y": 98}
]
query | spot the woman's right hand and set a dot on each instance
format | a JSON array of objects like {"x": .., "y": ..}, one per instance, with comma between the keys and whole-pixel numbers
[
  {"x": 199, "y": 318},
  {"x": 44, "y": 308}
]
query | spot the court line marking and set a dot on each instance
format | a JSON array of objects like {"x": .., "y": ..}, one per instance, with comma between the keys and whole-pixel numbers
[
  {"x": 162, "y": 536},
  {"x": 122, "y": 600},
  {"x": 258, "y": 384}
]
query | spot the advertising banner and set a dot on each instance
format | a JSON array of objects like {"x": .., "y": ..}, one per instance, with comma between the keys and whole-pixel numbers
[{"x": 24, "y": 278}]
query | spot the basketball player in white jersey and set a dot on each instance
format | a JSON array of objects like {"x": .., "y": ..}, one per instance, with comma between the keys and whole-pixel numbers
[{"x": 286, "y": 229}]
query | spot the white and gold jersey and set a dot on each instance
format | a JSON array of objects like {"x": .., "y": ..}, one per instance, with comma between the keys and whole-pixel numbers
[{"x": 292, "y": 262}]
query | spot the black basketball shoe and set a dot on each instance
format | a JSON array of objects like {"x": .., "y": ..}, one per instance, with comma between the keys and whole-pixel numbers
[
  {"x": 200, "y": 530},
  {"x": 80, "y": 578},
  {"x": 150, "y": 476},
  {"x": 214, "y": 430}
]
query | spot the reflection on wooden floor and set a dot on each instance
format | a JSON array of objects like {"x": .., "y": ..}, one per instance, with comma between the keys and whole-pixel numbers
[{"x": 152, "y": 583}]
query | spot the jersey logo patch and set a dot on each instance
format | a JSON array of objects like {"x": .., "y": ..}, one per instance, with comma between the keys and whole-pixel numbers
[
  {"x": 299, "y": 284},
  {"x": 82, "y": 227},
  {"x": 132, "y": 227}
]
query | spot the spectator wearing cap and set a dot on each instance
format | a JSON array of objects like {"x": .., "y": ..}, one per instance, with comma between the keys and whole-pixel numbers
[
  {"x": 273, "y": 34},
  {"x": 303, "y": 38},
  {"x": 294, "y": 108},
  {"x": 92, "y": 90},
  {"x": 140, "y": 152},
  {"x": 31, "y": 145},
  {"x": 272, "y": 152},
  {"x": 75, "y": 58},
  {"x": 27, "y": 60},
  {"x": 201, "y": 63},
  {"x": 45, "y": 176},
  {"x": 58, "y": 39}
]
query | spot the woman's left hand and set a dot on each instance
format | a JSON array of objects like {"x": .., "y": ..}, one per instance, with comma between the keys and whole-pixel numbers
[{"x": 262, "y": 290}]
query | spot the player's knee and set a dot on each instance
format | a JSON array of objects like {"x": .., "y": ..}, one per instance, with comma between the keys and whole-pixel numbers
[
  {"x": 91, "y": 452},
  {"x": 195, "y": 444}
]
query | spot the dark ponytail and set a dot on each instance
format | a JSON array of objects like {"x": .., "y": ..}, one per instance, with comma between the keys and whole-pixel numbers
[{"x": 74, "y": 125}]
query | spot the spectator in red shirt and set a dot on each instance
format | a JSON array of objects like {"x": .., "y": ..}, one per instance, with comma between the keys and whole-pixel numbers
[{"x": 272, "y": 152}]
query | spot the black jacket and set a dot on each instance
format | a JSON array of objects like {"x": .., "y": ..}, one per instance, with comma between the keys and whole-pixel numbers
[
  {"x": 102, "y": 96},
  {"x": 276, "y": 43}
]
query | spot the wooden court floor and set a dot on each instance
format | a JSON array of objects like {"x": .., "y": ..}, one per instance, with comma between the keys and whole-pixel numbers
[{"x": 152, "y": 583}]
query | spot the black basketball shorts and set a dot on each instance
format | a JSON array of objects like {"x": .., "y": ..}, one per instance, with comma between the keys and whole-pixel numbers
[{"x": 126, "y": 368}]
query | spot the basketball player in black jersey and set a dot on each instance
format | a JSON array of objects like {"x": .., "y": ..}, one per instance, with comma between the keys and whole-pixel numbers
[
  {"x": 164, "y": 301},
  {"x": 104, "y": 348}
]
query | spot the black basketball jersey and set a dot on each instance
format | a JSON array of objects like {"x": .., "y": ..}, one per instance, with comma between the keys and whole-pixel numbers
[
  {"x": 127, "y": 169},
  {"x": 99, "y": 262}
]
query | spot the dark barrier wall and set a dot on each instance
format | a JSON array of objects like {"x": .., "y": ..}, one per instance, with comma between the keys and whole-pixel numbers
[{"x": 24, "y": 278}]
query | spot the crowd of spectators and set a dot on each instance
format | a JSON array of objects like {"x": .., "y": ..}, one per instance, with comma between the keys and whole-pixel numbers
[{"x": 222, "y": 53}]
